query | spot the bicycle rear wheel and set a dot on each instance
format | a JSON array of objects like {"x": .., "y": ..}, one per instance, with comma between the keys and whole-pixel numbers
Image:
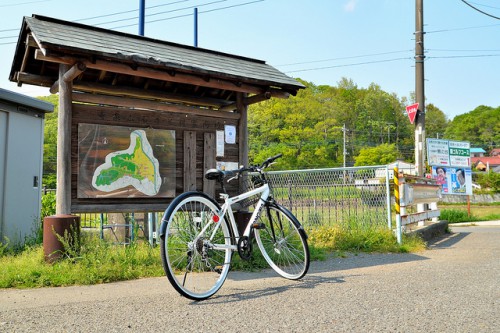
[
  {"x": 196, "y": 262},
  {"x": 283, "y": 242}
]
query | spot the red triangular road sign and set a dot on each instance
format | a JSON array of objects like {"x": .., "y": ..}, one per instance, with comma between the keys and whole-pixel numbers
[{"x": 411, "y": 110}]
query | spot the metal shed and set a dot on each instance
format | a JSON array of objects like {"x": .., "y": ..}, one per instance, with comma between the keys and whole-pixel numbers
[{"x": 21, "y": 156}]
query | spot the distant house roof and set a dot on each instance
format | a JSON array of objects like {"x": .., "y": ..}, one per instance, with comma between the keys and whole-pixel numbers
[
  {"x": 495, "y": 152},
  {"x": 118, "y": 59},
  {"x": 477, "y": 150},
  {"x": 491, "y": 161}
]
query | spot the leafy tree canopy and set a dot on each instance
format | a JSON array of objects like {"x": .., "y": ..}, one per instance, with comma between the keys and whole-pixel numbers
[
  {"x": 380, "y": 155},
  {"x": 480, "y": 127}
]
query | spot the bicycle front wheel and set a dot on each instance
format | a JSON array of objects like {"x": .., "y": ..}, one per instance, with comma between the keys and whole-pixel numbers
[
  {"x": 195, "y": 249},
  {"x": 283, "y": 242}
]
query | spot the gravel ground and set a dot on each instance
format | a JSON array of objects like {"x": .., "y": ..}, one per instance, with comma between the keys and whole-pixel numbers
[{"x": 451, "y": 287}]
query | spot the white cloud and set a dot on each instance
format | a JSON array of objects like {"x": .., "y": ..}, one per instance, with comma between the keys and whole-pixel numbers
[{"x": 350, "y": 6}]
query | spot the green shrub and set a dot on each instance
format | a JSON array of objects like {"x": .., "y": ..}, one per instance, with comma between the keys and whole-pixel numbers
[
  {"x": 456, "y": 215},
  {"x": 48, "y": 204},
  {"x": 488, "y": 181}
]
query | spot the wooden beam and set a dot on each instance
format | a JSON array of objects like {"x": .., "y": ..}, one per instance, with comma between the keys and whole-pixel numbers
[
  {"x": 30, "y": 41},
  {"x": 37, "y": 80},
  {"x": 166, "y": 75},
  {"x": 247, "y": 101},
  {"x": 71, "y": 74},
  {"x": 63, "y": 194},
  {"x": 134, "y": 103},
  {"x": 145, "y": 94},
  {"x": 257, "y": 99}
]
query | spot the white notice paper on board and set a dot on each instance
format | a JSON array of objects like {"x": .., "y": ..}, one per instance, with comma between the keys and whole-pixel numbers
[
  {"x": 220, "y": 143},
  {"x": 230, "y": 131}
]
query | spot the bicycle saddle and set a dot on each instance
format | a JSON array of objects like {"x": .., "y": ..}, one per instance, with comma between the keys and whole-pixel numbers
[{"x": 215, "y": 174}]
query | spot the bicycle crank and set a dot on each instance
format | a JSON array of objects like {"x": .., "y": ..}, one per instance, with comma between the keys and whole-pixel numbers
[{"x": 245, "y": 247}]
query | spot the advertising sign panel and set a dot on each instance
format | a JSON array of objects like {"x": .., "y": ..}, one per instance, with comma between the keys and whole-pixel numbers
[
  {"x": 438, "y": 152},
  {"x": 459, "y": 153},
  {"x": 453, "y": 180}
]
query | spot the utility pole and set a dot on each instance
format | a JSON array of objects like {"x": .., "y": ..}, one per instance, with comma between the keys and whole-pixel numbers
[
  {"x": 419, "y": 88},
  {"x": 344, "y": 129}
]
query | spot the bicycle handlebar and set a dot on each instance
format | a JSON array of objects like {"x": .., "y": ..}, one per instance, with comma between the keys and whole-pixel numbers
[
  {"x": 270, "y": 161},
  {"x": 235, "y": 174}
]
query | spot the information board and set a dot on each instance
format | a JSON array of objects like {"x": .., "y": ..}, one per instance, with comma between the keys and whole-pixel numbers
[{"x": 448, "y": 153}]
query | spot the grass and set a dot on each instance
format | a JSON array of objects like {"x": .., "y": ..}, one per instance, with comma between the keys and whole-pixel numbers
[
  {"x": 98, "y": 261},
  {"x": 459, "y": 213}
]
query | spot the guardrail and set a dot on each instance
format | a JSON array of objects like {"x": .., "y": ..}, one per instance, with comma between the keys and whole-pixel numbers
[{"x": 414, "y": 191}]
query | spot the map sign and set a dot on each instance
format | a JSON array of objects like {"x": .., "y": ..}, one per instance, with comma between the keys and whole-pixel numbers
[{"x": 123, "y": 162}]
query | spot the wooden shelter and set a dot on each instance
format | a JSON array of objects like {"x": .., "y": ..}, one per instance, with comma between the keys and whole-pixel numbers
[{"x": 109, "y": 78}]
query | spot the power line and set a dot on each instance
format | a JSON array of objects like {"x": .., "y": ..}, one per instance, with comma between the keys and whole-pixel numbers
[
  {"x": 159, "y": 13},
  {"x": 466, "y": 56},
  {"x": 449, "y": 50},
  {"x": 200, "y": 12},
  {"x": 343, "y": 58},
  {"x": 23, "y": 3},
  {"x": 465, "y": 28},
  {"x": 349, "y": 65},
  {"x": 479, "y": 10},
  {"x": 128, "y": 11}
]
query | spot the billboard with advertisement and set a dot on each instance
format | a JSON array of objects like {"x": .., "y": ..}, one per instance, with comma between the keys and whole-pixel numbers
[
  {"x": 448, "y": 153},
  {"x": 453, "y": 180},
  {"x": 451, "y": 165}
]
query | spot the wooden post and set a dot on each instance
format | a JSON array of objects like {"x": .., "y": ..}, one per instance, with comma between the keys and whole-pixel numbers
[
  {"x": 242, "y": 109},
  {"x": 63, "y": 194},
  {"x": 242, "y": 129}
]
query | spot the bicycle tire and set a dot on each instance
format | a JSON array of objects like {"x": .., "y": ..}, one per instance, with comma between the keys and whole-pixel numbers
[
  {"x": 193, "y": 266},
  {"x": 283, "y": 242}
]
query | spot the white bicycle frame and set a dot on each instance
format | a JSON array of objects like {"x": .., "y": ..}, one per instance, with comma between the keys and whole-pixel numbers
[{"x": 226, "y": 210}]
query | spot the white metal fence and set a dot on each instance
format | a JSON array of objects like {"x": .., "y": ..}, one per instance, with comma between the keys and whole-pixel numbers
[
  {"x": 317, "y": 197},
  {"x": 337, "y": 195}
]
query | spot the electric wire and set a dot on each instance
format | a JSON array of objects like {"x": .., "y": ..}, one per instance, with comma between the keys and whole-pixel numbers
[
  {"x": 190, "y": 14},
  {"x": 479, "y": 10}
]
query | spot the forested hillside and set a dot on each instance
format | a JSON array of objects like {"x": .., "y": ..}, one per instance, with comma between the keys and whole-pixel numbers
[{"x": 309, "y": 128}]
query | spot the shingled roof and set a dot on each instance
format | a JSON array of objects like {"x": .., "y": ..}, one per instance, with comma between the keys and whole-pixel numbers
[{"x": 113, "y": 58}]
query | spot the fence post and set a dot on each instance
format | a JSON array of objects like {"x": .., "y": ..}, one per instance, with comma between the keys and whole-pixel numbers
[
  {"x": 388, "y": 196},
  {"x": 396, "y": 204}
]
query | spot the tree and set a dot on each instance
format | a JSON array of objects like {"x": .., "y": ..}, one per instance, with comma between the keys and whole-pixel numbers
[
  {"x": 479, "y": 127},
  {"x": 302, "y": 128},
  {"x": 436, "y": 122},
  {"x": 380, "y": 155},
  {"x": 50, "y": 143}
]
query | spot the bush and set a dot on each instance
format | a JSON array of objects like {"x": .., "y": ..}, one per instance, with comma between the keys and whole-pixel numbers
[
  {"x": 48, "y": 204},
  {"x": 455, "y": 216},
  {"x": 489, "y": 180}
]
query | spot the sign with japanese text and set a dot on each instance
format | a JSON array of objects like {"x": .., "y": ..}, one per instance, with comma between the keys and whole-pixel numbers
[
  {"x": 438, "y": 152},
  {"x": 411, "y": 110},
  {"x": 448, "y": 153},
  {"x": 459, "y": 153}
]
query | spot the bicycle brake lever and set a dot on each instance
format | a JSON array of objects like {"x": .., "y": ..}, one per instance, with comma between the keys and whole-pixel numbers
[{"x": 232, "y": 178}]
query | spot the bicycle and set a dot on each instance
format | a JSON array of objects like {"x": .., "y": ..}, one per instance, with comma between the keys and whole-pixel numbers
[{"x": 199, "y": 237}]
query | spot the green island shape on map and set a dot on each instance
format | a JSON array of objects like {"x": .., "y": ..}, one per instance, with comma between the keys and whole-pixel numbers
[{"x": 135, "y": 166}]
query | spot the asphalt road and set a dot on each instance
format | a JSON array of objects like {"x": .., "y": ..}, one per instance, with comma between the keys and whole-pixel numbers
[{"x": 454, "y": 286}]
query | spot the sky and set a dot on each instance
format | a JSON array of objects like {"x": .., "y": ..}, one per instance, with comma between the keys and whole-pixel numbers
[{"x": 320, "y": 41}]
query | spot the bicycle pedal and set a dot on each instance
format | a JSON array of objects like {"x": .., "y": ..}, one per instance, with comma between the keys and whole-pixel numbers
[
  {"x": 259, "y": 226},
  {"x": 218, "y": 269}
]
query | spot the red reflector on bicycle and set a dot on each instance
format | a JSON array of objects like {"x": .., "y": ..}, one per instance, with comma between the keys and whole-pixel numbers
[{"x": 215, "y": 218}]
